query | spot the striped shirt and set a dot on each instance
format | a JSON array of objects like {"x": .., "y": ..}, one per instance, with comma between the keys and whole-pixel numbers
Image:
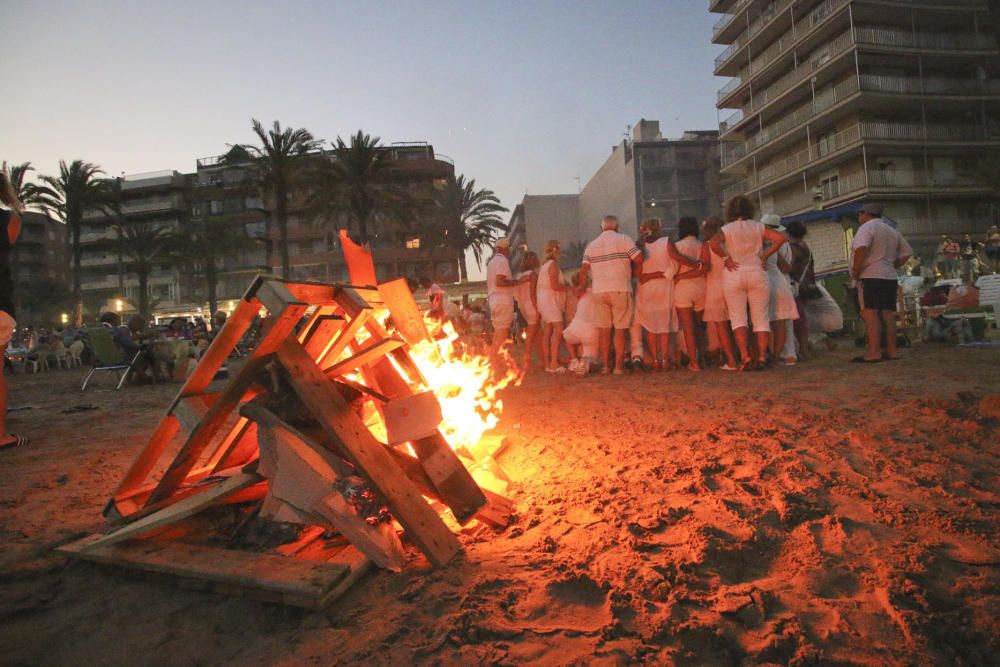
[{"x": 610, "y": 258}]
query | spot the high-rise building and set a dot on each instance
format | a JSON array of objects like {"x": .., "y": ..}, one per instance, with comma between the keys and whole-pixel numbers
[
  {"x": 40, "y": 261},
  {"x": 839, "y": 101},
  {"x": 159, "y": 199},
  {"x": 646, "y": 176}
]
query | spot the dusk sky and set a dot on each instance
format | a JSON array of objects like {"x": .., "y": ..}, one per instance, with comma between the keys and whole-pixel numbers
[{"x": 524, "y": 96}]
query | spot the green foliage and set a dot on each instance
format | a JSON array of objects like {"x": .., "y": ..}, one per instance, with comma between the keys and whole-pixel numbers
[
  {"x": 472, "y": 219},
  {"x": 27, "y": 193}
]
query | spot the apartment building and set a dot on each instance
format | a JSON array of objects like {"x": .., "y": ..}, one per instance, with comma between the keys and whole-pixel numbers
[
  {"x": 160, "y": 199},
  {"x": 645, "y": 176},
  {"x": 227, "y": 192},
  {"x": 40, "y": 261},
  {"x": 831, "y": 102},
  {"x": 397, "y": 251}
]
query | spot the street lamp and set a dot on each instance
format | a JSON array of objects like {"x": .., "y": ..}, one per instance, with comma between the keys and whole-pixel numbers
[
  {"x": 64, "y": 318},
  {"x": 118, "y": 305}
]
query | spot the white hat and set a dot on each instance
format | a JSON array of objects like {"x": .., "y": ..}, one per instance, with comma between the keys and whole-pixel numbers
[{"x": 771, "y": 220}]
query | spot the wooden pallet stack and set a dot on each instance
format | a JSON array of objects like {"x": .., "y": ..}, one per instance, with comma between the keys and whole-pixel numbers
[{"x": 322, "y": 347}]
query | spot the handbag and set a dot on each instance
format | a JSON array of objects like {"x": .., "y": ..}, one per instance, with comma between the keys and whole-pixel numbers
[{"x": 805, "y": 292}]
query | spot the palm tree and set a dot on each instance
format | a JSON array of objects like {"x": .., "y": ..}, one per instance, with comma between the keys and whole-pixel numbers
[
  {"x": 358, "y": 180},
  {"x": 26, "y": 193},
  {"x": 209, "y": 244},
  {"x": 472, "y": 220},
  {"x": 277, "y": 153},
  {"x": 143, "y": 245},
  {"x": 75, "y": 190}
]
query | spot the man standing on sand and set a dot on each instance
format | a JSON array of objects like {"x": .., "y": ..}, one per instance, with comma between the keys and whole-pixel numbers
[
  {"x": 10, "y": 228},
  {"x": 500, "y": 294},
  {"x": 611, "y": 259},
  {"x": 876, "y": 252}
]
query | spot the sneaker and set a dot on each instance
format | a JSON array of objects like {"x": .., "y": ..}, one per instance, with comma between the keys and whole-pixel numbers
[
  {"x": 573, "y": 365},
  {"x": 637, "y": 364},
  {"x": 727, "y": 367},
  {"x": 627, "y": 365},
  {"x": 557, "y": 369},
  {"x": 583, "y": 368},
  {"x": 788, "y": 361}
]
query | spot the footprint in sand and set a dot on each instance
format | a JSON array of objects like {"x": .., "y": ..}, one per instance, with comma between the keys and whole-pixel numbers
[{"x": 576, "y": 603}]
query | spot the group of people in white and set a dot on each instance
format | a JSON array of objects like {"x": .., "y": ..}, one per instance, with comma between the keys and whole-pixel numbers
[{"x": 657, "y": 304}]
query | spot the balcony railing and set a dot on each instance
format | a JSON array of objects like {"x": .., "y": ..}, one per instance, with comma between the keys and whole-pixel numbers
[
  {"x": 837, "y": 47},
  {"x": 726, "y": 19},
  {"x": 729, "y": 122},
  {"x": 924, "y": 40},
  {"x": 881, "y": 83},
  {"x": 892, "y": 178}
]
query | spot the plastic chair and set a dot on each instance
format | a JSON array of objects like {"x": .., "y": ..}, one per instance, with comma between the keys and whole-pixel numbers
[
  {"x": 108, "y": 356},
  {"x": 76, "y": 349}
]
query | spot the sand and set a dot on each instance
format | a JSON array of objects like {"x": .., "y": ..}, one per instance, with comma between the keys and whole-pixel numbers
[{"x": 829, "y": 513}]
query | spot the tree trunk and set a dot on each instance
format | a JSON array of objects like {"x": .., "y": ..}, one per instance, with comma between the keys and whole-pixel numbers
[
  {"x": 281, "y": 204},
  {"x": 212, "y": 279},
  {"x": 143, "y": 274},
  {"x": 77, "y": 291},
  {"x": 463, "y": 268}
]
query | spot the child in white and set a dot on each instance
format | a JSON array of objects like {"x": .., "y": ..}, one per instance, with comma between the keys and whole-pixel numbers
[{"x": 581, "y": 334}]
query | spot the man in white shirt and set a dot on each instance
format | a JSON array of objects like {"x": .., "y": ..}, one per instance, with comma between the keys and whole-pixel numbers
[
  {"x": 500, "y": 294},
  {"x": 610, "y": 260},
  {"x": 877, "y": 251}
]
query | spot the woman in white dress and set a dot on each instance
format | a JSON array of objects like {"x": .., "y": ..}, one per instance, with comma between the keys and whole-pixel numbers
[
  {"x": 745, "y": 284},
  {"x": 654, "y": 298},
  {"x": 781, "y": 305},
  {"x": 716, "y": 315},
  {"x": 551, "y": 299},
  {"x": 689, "y": 292},
  {"x": 524, "y": 297}
]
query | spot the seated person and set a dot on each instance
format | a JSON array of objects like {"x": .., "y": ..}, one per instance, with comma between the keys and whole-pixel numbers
[
  {"x": 940, "y": 329},
  {"x": 128, "y": 338}
]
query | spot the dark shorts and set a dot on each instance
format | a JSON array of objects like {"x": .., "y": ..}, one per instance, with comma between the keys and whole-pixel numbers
[{"x": 878, "y": 294}]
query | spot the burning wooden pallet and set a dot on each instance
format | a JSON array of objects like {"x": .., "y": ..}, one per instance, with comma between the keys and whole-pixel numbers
[{"x": 325, "y": 362}]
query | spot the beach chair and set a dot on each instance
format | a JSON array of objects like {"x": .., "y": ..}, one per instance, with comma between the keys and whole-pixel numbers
[{"x": 108, "y": 356}]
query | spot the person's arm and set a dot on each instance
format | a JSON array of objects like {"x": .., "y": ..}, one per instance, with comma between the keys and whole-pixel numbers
[
  {"x": 783, "y": 264},
  {"x": 534, "y": 288},
  {"x": 637, "y": 264},
  {"x": 584, "y": 271},
  {"x": 716, "y": 245},
  {"x": 776, "y": 238},
  {"x": 681, "y": 258},
  {"x": 646, "y": 277},
  {"x": 858, "y": 261},
  {"x": 504, "y": 280}
]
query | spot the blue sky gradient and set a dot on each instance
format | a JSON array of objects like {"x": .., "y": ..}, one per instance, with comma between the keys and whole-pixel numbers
[{"x": 524, "y": 96}]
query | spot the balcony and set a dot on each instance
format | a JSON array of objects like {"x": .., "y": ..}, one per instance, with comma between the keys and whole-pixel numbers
[
  {"x": 913, "y": 85},
  {"x": 899, "y": 180},
  {"x": 931, "y": 41},
  {"x": 735, "y": 11},
  {"x": 837, "y": 48}
]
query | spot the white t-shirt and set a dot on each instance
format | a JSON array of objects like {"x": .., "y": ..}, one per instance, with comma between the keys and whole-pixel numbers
[
  {"x": 690, "y": 247},
  {"x": 498, "y": 266},
  {"x": 610, "y": 259},
  {"x": 658, "y": 258},
  {"x": 885, "y": 245},
  {"x": 744, "y": 242}
]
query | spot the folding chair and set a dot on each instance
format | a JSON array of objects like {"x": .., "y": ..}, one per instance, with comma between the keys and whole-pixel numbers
[{"x": 108, "y": 356}]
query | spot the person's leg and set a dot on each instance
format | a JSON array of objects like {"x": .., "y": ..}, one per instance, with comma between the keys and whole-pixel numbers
[
  {"x": 888, "y": 318},
  {"x": 604, "y": 345},
  {"x": 873, "y": 332},
  {"x": 800, "y": 328},
  {"x": 554, "y": 343},
  {"x": 758, "y": 296},
  {"x": 635, "y": 344},
  {"x": 653, "y": 345},
  {"x": 725, "y": 338},
  {"x": 530, "y": 337},
  {"x": 686, "y": 316},
  {"x": 743, "y": 343},
  {"x": 777, "y": 337},
  {"x": 619, "y": 350},
  {"x": 544, "y": 344},
  {"x": 788, "y": 353}
]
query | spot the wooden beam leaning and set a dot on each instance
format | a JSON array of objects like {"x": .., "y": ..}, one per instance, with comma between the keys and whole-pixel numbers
[
  {"x": 346, "y": 336},
  {"x": 202, "y": 435},
  {"x": 365, "y": 355},
  {"x": 423, "y": 526}
]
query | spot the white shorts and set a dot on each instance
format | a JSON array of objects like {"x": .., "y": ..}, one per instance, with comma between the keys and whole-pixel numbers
[
  {"x": 502, "y": 315},
  {"x": 690, "y": 293},
  {"x": 612, "y": 310},
  {"x": 552, "y": 306},
  {"x": 7, "y": 325},
  {"x": 715, "y": 302}
]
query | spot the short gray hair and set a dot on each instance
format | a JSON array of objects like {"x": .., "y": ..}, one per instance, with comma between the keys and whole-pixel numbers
[{"x": 609, "y": 222}]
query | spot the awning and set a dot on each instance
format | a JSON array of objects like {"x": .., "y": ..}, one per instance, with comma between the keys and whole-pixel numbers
[{"x": 835, "y": 213}]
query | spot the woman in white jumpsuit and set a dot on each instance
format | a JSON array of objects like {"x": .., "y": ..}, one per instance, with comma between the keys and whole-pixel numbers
[
  {"x": 716, "y": 315},
  {"x": 745, "y": 281},
  {"x": 551, "y": 298},
  {"x": 689, "y": 292},
  {"x": 524, "y": 297}
]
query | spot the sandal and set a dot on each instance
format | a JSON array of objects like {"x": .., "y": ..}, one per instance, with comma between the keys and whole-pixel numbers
[{"x": 18, "y": 441}]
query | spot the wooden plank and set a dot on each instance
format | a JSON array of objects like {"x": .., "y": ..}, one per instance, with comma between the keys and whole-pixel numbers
[
  {"x": 406, "y": 314},
  {"x": 141, "y": 467},
  {"x": 241, "y": 448},
  {"x": 190, "y": 411},
  {"x": 450, "y": 477},
  {"x": 293, "y": 581},
  {"x": 360, "y": 265},
  {"x": 424, "y": 528},
  {"x": 319, "y": 337},
  {"x": 365, "y": 355},
  {"x": 411, "y": 417},
  {"x": 344, "y": 338},
  {"x": 202, "y": 434},
  {"x": 275, "y": 296},
  {"x": 181, "y": 510}
]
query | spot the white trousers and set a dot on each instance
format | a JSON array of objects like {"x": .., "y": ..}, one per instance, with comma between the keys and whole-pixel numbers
[{"x": 743, "y": 288}]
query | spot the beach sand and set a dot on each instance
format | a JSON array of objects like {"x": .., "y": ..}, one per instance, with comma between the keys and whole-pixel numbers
[{"x": 829, "y": 513}]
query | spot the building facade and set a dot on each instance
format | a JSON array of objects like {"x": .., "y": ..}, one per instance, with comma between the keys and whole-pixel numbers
[
  {"x": 645, "y": 176},
  {"x": 407, "y": 251},
  {"x": 831, "y": 102},
  {"x": 156, "y": 199},
  {"x": 40, "y": 261}
]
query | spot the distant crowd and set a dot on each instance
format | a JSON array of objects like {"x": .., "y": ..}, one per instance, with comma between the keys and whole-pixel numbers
[{"x": 739, "y": 294}]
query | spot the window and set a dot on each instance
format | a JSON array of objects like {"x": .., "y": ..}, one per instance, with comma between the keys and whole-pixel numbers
[
  {"x": 829, "y": 185},
  {"x": 215, "y": 207},
  {"x": 413, "y": 244},
  {"x": 196, "y": 210}
]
